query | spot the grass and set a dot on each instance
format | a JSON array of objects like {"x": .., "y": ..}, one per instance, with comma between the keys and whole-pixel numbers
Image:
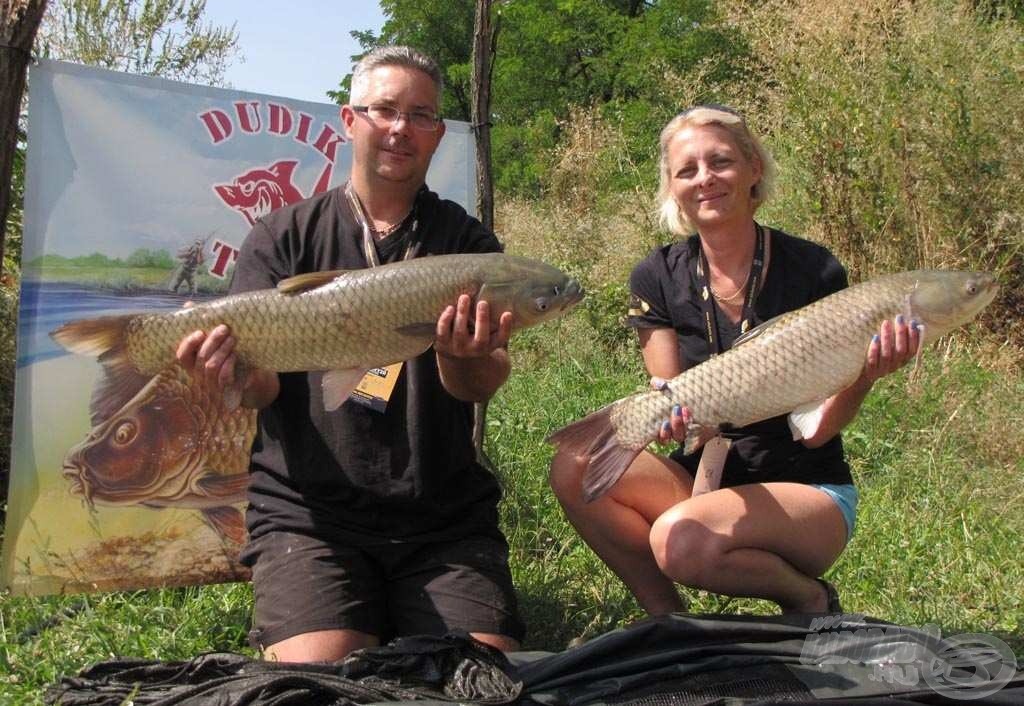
[{"x": 938, "y": 462}]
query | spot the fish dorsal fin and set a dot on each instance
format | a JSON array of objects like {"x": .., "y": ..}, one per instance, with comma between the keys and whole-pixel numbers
[
  {"x": 753, "y": 333},
  {"x": 805, "y": 419},
  {"x": 307, "y": 281},
  {"x": 337, "y": 385}
]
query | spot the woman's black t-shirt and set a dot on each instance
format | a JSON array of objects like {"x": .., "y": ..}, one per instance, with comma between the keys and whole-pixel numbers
[{"x": 665, "y": 295}]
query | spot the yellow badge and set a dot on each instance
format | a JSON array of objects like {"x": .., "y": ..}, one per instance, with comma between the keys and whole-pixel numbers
[{"x": 377, "y": 386}]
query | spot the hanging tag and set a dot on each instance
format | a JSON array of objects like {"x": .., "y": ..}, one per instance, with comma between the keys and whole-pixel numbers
[
  {"x": 712, "y": 461},
  {"x": 376, "y": 387}
]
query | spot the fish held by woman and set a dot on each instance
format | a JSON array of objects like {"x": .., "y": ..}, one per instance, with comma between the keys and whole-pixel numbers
[
  {"x": 343, "y": 322},
  {"x": 788, "y": 365}
]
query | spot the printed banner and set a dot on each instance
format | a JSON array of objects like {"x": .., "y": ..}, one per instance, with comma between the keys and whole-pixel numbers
[{"x": 139, "y": 193}]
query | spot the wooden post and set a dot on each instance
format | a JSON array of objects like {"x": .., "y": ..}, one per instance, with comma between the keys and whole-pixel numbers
[
  {"x": 480, "y": 114},
  {"x": 480, "y": 118}
]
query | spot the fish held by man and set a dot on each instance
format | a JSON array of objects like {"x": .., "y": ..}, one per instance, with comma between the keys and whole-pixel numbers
[
  {"x": 172, "y": 444},
  {"x": 788, "y": 365},
  {"x": 342, "y": 322}
]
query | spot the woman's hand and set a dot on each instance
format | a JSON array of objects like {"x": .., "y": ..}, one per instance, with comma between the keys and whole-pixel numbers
[
  {"x": 895, "y": 344},
  {"x": 674, "y": 428}
]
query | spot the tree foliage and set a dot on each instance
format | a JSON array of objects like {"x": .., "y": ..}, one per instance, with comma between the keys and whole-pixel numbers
[
  {"x": 553, "y": 56},
  {"x": 167, "y": 38}
]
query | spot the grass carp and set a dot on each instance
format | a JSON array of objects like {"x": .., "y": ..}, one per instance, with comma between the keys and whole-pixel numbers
[
  {"x": 344, "y": 322},
  {"x": 789, "y": 364},
  {"x": 172, "y": 444}
]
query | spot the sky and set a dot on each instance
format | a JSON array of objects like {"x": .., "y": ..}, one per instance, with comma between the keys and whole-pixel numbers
[{"x": 295, "y": 49}]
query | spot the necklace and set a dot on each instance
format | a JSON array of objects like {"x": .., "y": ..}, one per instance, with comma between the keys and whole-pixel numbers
[
  {"x": 388, "y": 230},
  {"x": 729, "y": 299}
]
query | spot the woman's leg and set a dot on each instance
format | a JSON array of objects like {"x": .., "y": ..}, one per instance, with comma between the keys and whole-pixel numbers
[
  {"x": 761, "y": 540},
  {"x": 617, "y": 526}
]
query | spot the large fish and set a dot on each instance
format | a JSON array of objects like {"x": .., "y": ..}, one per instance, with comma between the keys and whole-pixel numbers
[
  {"x": 789, "y": 364},
  {"x": 344, "y": 322},
  {"x": 172, "y": 444}
]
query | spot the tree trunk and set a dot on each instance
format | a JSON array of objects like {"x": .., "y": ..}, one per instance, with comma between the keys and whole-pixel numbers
[
  {"x": 19, "y": 20},
  {"x": 480, "y": 117}
]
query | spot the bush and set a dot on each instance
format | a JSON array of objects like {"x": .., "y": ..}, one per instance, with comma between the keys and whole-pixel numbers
[{"x": 898, "y": 127}]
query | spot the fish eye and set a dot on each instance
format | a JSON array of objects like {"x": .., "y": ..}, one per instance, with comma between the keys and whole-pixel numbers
[
  {"x": 125, "y": 433},
  {"x": 542, "y": 304},
  {"x": 972, "y": 288}
]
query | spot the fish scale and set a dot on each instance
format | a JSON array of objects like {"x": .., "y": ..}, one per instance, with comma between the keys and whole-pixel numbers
[{"x": 796, "y": 360}]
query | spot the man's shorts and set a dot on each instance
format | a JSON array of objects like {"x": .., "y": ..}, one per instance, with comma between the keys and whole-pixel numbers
[{"x": 303, "y": 584}]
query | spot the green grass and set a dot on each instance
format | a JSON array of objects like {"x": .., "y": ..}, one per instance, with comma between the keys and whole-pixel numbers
[{"x": 938, "y": 463}]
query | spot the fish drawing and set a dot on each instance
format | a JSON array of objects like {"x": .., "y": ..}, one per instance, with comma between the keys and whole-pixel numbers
[{"x": 171, "y": 444}]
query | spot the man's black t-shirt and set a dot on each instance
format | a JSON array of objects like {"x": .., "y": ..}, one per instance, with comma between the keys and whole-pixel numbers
[
  {"x": 356, "y": 475},
  {"x": 799, "y": 273}
]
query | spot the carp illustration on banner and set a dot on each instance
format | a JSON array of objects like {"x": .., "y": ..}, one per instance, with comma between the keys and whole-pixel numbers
[{"x": 140, "y": 203}]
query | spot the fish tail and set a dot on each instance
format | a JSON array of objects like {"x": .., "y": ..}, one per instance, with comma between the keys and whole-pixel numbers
[
  {"x": 105, "y": 338},
  {"x": 594, "y": 436},
  {"x": 94, "y": 337}
]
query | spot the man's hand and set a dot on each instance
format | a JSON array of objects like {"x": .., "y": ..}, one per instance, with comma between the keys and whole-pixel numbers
[
  {"x": 472, "y": 361},
  {"x": 211, "y": 360},
  {"x": 457, "y": 339},
  {"x": 209, "y": 357}
]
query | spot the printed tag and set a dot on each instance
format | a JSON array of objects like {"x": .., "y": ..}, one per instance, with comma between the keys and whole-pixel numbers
[
  {"x": 712, "y": 461},
  {"x": 377, "y": 386}
]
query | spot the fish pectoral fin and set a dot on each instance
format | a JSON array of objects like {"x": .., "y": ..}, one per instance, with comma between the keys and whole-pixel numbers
[
  {"x": 423, "y": 329},
  {"x": 230, "y": 488},
  {"x": 805, "y": 419},
  {"x": 232, "y": 394},
  {"x": 227, "y": 522},
  {"x": 337, "y": 385},
  {"x": 753, "y": 333},
  {"x": 697, "y": 435},
  {"x": 307, "y": 281}
]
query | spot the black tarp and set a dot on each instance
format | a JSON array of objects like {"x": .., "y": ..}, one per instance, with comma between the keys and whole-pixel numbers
[{"x": 680, "y": 660}]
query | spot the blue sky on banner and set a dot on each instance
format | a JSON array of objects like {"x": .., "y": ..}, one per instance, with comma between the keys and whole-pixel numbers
[{"x": 296, "y": 49}]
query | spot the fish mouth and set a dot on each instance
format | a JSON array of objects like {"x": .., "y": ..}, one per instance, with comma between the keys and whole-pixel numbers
[
  {"x": 573, "y": 294},
  {"x": 81, "y": 483}
]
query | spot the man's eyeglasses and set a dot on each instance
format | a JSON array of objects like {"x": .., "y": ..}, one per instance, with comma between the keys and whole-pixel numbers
[{"x": 388, "y": 115}]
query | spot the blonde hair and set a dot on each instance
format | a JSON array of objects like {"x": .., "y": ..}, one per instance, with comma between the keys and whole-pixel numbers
[{"x": 670, "y": 215}]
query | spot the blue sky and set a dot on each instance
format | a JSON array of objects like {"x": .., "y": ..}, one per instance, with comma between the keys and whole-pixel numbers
[{"x": 296, "y": 49}]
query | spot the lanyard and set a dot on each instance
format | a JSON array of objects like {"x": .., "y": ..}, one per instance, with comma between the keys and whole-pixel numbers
[
  {"x": 369, "y": 245},
  {"x": 707, "y": 305}
]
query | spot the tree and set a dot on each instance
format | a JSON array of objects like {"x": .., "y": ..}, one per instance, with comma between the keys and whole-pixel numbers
[
  {"x": 167, "y": 38},
  {"x": 19, "y": 21}
]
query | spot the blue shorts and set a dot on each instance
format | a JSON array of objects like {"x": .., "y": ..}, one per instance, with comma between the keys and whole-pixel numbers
[{"x": 846, "y": 497}]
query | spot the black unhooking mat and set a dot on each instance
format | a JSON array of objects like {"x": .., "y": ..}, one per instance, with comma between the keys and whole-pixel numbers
[{"x": 680, "y": 660}]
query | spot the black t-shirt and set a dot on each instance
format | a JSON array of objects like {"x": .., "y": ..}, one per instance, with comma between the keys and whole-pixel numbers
[
  {"x": 356, "y": 475},
  {"x": 799, "y": 272}
]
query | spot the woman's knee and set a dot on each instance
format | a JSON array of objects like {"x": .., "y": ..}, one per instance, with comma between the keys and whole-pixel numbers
[
  {"x": 684, "y": 548},
  {"x": 565, "y": 477}
]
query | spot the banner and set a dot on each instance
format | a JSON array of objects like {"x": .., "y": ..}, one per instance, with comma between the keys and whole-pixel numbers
[{"x": 139, "y": 192}]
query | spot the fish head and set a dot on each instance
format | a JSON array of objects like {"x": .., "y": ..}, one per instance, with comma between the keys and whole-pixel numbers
[
  {"x": 146, "y": 450},
  {"x": 943, "y": 300},
  {"x": 533, "y": 291}
]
